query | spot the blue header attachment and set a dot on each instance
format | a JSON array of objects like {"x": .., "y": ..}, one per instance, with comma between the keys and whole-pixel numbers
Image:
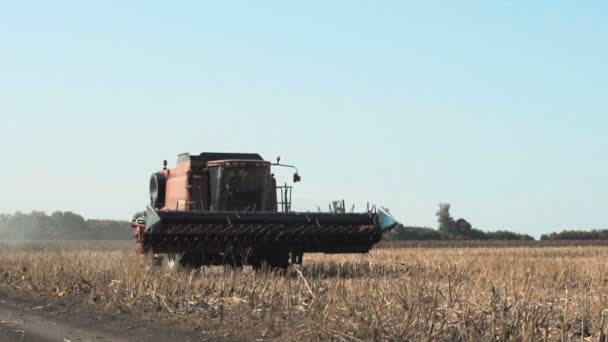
[{"x": 386, "y": 220}]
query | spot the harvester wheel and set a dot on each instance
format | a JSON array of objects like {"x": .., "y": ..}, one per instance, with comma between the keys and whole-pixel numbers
[
  {"x": 256, "y": 262},
  {"x": 279, "y": 261},
  {"x": 191, "y": 260},
  {"x": 295, "y": 258},
  {"x": 233, "y": 260},
  {"x": 275, "y": 261}
]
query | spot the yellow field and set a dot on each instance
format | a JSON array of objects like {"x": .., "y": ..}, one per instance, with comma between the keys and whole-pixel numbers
[{"x": 438, "y": 294}]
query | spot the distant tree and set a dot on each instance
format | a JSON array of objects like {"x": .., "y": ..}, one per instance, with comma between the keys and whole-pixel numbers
[
  {"x": 461, "y": 229},
  {"x": 413, "y": 233},
  {"x": 507, "y": 235},
  {"x": 448, "y": 225},
  {"x": 446, "y": 222},
  {"x": 60, "y": 226},
  {"x": 596, "y": 234}
]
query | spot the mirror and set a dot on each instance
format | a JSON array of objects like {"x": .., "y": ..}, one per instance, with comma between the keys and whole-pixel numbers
[{"x": 296, "y": 177}]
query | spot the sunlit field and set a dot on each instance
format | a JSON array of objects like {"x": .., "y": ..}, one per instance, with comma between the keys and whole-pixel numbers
[{"x": 393, "y": 293}]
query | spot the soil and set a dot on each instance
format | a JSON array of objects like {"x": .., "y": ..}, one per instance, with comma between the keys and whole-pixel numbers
[{"x": 43, "y": 318}]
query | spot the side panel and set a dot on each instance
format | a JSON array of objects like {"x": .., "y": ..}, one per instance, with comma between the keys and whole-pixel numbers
[
  {"x": 271, "y": 195},
  {"x": 176, "y": 197}
]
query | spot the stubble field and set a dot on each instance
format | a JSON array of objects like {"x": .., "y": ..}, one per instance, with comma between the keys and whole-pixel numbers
[{"x": 394, "y": 294}]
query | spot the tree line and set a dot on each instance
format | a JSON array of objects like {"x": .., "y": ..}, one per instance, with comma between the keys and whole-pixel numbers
[
  {"x": 596, "y": 234},
  {"x": 460, "y": 229},
  {"x": 67, "y": 225},
  {"x": 452, "y": 229}
]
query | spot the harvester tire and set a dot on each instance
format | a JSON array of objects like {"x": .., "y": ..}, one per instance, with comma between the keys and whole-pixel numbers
[
  {"x": 279, "y": 261},
  {"x": 232, "y": 258},
  {"x": 275, "y": 261},
  {"x": 158, "y": 183}
]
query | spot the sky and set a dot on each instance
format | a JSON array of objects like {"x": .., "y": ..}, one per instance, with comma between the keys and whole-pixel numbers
[{"x": 497, "y": 107}]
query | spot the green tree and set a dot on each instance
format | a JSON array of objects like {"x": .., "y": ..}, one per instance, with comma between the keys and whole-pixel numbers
[{"x": 446, "y": 222}]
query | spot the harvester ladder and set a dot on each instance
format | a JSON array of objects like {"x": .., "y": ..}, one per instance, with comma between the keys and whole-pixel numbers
[{"x": 285, "y": 197}]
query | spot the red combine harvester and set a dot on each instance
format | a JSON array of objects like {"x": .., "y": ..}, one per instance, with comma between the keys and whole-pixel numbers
[{"x": 223, "y": 208}]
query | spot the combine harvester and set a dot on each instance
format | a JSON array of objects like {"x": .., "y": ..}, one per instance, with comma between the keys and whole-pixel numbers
[{"x": 223, "y": 208}]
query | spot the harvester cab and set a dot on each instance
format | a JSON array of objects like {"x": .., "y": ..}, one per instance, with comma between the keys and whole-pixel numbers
[{"x": 226, "y": 208}]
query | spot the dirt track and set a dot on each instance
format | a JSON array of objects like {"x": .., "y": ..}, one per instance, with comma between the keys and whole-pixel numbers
[
  {"x": 24, "y": 319},
  {"x": 17, "y": 324}
]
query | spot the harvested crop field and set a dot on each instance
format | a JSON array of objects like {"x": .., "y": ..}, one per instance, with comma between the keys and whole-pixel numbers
[{"x": 397, "y": 294}]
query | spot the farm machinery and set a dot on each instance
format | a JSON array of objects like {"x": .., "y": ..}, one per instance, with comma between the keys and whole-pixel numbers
[{"x": 226, "y": 208}]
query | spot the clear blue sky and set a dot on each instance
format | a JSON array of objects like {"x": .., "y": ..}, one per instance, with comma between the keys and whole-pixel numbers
[{"x": 497, "y": 107}]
